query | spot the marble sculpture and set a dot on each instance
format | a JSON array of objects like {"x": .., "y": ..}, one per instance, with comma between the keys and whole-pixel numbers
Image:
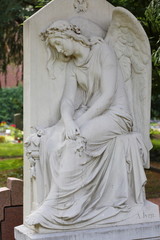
[{"x": 93, "y": 158}]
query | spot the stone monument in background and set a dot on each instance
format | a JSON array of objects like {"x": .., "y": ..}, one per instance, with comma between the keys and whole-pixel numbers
[{"x": 87, "y": 82}]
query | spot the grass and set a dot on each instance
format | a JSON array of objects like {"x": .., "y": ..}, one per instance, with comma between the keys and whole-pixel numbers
[
  {"x": 11, "y": 149},
  {"x": 9, "y": 164},
  {"x": 12, "y": 164},
  {"x": 10, "y": 168},
  {"x": 9, "y": 139},
  {"x": 17, "y": 173}
]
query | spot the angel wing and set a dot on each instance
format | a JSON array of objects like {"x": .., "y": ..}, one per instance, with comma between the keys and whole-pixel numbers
[{"x": 132, "y": 48}]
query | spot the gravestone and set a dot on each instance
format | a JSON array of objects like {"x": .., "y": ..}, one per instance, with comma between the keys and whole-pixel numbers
[
  {"x": 18, "y": 121},
  {"x": 87, "y": 86}
]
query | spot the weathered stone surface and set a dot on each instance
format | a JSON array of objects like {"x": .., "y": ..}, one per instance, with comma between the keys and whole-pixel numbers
[{"x": 16, "y": 187}]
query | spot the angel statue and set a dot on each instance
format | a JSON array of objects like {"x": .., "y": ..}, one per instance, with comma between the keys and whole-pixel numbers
[{"x": 93, "y": 158}]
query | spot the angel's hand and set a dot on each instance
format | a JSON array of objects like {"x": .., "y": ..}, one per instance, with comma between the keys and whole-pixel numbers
[{"x": 72, "y": 130}]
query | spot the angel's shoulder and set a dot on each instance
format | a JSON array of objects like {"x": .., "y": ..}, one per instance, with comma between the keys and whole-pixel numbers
[{"x": 107, "y": 53}]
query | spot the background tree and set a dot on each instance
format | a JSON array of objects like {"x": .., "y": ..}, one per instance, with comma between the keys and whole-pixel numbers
[
  {"x": 152, "y": 26},
  {"x": 12, "y": 15},
  {"x": 11, "y": 102}
]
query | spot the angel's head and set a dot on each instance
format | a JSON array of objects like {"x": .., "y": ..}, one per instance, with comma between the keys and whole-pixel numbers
[
  {"x": 67, "y": 39},
  {"x": 62, "y": 35}
]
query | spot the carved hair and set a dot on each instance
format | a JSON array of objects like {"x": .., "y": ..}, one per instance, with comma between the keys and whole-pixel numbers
[{"x": 64, "y": 29}]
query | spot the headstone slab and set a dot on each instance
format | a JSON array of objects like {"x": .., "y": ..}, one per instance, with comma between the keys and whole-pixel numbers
[{"x": 41, "y": 100}]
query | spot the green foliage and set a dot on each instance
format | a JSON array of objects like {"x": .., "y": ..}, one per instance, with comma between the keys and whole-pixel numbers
[
  {"x": 136, "y": 7},
  {"x": 155, "y": 132},
  {"x": 11, "y": 102},
  {"x": 42, "y": 3},
  {"x": 152, "y": 15},
  {"x": 12, "y": 15},
  {"x": 16, "y": 133},
  {"x": 10, "y": 33},
  {"x": 2, "y": 139},
  {"x": 156, "y": 144},
  {"x": 17, "y": 173}
]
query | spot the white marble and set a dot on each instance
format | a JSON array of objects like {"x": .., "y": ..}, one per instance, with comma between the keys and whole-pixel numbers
[
  {"x": 127, "y": 232},
  {"x": 89, "y": 104}
]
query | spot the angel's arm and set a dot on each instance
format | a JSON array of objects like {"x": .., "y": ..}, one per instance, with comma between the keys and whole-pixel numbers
[
  {"x": 67, "y": 104},
  {"x": 107, "y": 86}
]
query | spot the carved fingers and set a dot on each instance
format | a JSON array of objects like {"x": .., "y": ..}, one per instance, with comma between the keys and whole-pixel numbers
[{"x": 72, "y": 130}]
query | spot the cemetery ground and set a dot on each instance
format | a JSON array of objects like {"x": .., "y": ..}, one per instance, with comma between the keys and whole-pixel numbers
[
  {"x": 11, "y": 165},
  {"x": 11, "y": 152},
  {"x": 11, "y": 161},
  {"x": 153, "y": 174}
]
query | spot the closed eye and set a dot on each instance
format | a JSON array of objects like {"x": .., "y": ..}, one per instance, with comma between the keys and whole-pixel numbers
[{"x": 57, "y": 43}]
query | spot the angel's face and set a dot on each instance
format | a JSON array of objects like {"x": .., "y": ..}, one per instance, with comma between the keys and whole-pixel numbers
[{"x": 62, "y": 45}]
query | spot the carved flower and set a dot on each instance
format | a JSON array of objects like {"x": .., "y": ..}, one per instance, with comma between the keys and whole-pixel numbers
[{"x": 80, "y": 145}]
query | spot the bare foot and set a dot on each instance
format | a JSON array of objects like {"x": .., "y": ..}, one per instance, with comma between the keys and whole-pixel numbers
[{"x": 33, "y": 219}]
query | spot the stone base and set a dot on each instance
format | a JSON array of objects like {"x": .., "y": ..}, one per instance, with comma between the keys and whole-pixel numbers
[
  {"x": 129, "y": 232},
  {"x": 144, "y": 225}
]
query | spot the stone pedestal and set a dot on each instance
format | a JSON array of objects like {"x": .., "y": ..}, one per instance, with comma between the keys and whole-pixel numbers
[
  {"x": 128, "y": 232},
  {"x": 144, "y": 225}
]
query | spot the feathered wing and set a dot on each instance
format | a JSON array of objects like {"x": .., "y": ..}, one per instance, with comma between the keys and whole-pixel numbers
[{"x": 132, "y": 48}]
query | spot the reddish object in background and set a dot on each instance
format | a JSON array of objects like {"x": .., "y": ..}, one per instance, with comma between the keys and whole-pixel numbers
[
  {"x": 13, "y": 217},
  {"x": 11, "y": 207},
  {"x": 13, "y": 125},
  {"x": 12, "y": 78}
]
